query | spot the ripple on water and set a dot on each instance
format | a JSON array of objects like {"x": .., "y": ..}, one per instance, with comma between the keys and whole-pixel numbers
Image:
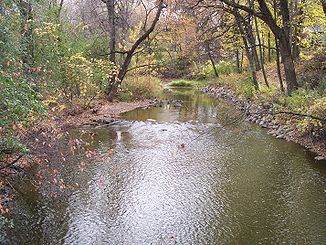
[{"x": 183, "y": 180}]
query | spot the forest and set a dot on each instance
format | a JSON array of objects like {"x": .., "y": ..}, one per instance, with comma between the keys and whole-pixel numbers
[{"x": 60, "y": 59}]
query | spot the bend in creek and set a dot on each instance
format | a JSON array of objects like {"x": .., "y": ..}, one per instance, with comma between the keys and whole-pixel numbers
[{"x": 191, "y": 175}]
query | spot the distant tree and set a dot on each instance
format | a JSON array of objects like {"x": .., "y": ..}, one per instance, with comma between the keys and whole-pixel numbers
[{"x": 147, "y": 28}]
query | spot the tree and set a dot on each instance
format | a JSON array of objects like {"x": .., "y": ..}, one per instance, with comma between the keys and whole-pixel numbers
[
  {"x": 116, "y": 80},
  {"x": 281, "y": 32}
]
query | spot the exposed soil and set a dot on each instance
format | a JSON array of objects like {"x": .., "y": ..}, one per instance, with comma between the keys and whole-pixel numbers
[{"x": 79, "y": 116}]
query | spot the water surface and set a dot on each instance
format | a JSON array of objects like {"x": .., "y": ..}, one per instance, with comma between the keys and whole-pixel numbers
[{"x": 189, "y": 175}]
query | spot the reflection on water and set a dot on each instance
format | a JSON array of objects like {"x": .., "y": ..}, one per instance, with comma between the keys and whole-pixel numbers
[{"x": 180, "y": 180}]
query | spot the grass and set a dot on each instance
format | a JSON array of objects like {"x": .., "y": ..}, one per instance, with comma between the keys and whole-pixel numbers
[
  {"x": 139, "y": 88},
  {"x": 187, "y": 83}
]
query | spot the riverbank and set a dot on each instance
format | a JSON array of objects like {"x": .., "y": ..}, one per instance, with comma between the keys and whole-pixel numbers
[{"x": 264, "y": 115}]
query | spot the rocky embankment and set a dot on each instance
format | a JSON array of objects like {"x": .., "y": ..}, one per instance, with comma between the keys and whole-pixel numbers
[{"x": 263, "y": 115}]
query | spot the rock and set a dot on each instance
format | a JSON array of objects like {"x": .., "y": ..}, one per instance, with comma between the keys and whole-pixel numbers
[
  {"x": 105, "y": 120},
  {"x": 151, "y": 120},
  {"x": 280, "y": 136},
  {"x": 177, "y": 104},
  {"x": 319, "y": 158},
  {"x": 95, "y": 110}
]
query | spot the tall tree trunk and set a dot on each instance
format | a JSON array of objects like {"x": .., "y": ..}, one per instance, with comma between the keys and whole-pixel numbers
[
  {"x": 263, "y": 48},
  {"x": 323, "y": 3},
  {"x": 269, "y": 46},
  {"x": 241, "y": 63},
  {"x": 290, "y": 74},
  {"x": 211, "y": 59},
  {"x": 247, "y": 49},
  {"x": 115, "y": 82},
  {"x": 110, "y": 5},
  {"x": 278, "y": 65},
  {"x": 281, "y": 33},
  {"x": 112, "y": 87},
  {"x": 261, "y": 53},
  {"x": 251, "y": 43},
  {"x": 286, "y": 49},
  {"x": 279, "y": 73},
  {"x": 252, "y": 38},
  {"x": 237, "y": 57},
  {"x": 297, "y": 29}
]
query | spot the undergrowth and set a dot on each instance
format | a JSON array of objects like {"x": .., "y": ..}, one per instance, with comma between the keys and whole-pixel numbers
[{"x": 139, "y": 88}]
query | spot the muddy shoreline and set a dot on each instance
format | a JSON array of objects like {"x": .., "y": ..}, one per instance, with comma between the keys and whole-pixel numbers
[{"x": 262, "y": 115}]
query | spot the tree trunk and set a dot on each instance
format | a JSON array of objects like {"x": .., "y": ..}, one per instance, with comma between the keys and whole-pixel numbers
[
  {"x": 249, "y": 56},
  {"x": 113, "y": 90},
  {"x": 279, "y": 73},
  {"x": 241, "y": 63},
  {"x": 290, "y": 74},
  {"x": 251, "y": 43},
  {"x": 115, "y": 81},
  {"x": 286, "y": 49},
  {"x": 263, "y": 48},
  {"x": 110, "y": 5},
  {"x": 269, "y": 46},
  {"x": 297, "y": 30},
  {"x": 261, "y": 53},
  {"x": 237, "y": 56},
  {"x": 281, "y": 33},
  {"x": 323, "y": 3},
  {"x": 112, "y": 87},
  {"x": 211, "y": 59}
]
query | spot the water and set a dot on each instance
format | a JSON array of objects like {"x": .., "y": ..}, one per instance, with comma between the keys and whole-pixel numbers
[{"x": 195, "y": 175}]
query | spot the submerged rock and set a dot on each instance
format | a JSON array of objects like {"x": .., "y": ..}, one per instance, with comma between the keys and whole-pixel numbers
[
  {"x": 319, "y": 158},
  {"x": 150, "y": 120},
  {"x": 105, "y": 120}
]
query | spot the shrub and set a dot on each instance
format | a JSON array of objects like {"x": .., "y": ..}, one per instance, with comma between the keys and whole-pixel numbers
[
  {"x": 19, "y": 106},
  {"x": 315, "y": 127},
  {"x": 222, "y": 68},
  {"x": 318, "y": 109},
  {"x": 246, "y": 88},
  {"x": 139, "y": 87},
  {"x": 86, "y": 77},
  {"x": 301, "y": 99}
]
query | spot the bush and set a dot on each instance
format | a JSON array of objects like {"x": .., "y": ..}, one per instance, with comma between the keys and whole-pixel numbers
[
  {"x": 139, "y": 87},
  {"x": 318, "y": 109},
  {"x": 246, "y": 88},
  {"x": 19, "y": 106},
  {"x": 315, "y": 127},
  {"x": 222, "y": 68},
  {"x": 270, "y": 95},
  {"x": 301, "y": 99},
  {"x": 86, "y": 77}
]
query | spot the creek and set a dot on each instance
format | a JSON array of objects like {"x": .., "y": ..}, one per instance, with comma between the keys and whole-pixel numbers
[{"x": 195, "y": 174}]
